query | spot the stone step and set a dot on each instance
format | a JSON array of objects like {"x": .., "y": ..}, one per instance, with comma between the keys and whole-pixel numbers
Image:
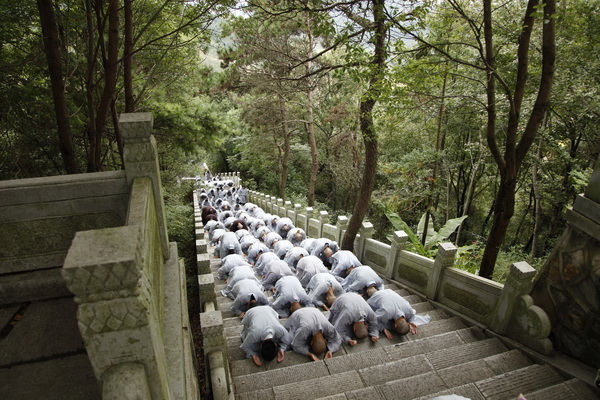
[
  {"x": 510, "y": 384},
  {"x": 573, "y": 389},
  {"x": 429, "y": 362}
]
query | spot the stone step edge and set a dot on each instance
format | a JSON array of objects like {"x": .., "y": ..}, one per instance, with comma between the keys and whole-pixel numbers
[{"x": 411, "y": 343}]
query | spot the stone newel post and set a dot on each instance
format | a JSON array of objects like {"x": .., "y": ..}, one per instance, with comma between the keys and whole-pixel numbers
[
  {"x": 141, "y": 159},
  {"x": 444, "y": 259}
]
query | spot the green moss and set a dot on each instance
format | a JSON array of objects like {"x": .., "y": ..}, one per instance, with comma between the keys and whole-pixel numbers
[
  {"x": 413, "y": 275},
  {"x": 466, "y": 299}
]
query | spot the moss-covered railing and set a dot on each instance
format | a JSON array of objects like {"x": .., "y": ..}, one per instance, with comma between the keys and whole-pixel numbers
[{"x": 129, "y": 284}]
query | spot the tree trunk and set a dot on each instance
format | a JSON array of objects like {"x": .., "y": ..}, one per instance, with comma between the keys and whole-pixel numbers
[
  {"x": 110, "y": 81},
  {"x": 51, "y": 47},
  {"x": 367, "y": 128},
  {"x": 537, "y": 194},
  {"x": 128, "y": 57},
  {"x": 510, "y": 163},
  {"x": 285, "y": 157},
  {"x": 310, "y": 126}
]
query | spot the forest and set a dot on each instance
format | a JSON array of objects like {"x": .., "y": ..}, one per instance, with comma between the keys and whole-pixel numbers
[{"x": 461, "y": 120}]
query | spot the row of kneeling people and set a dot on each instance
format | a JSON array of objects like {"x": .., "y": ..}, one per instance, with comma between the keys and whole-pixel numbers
[{"x": 302, "y": 274}]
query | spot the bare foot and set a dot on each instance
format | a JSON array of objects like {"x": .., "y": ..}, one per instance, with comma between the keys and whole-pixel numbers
[{"x": 256, "y": 360}]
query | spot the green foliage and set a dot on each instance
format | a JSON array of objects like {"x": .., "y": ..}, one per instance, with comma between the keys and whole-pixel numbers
[{"x": 433, "y": 238}]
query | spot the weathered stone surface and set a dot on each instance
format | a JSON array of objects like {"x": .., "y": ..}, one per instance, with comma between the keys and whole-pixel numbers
[
  {"x": 281, "y": 376},
  {"x": 370, "y": 392},
  {"x": 212, "y": 329},
  {"x": 395, "y": 370},
  {"x": 318, "y": 387},
  {"x": 465, "y": 373},
  {"x": 436, "y": 327},
  {"x": 468, "y": 352},
  {"x": 507, "y": 361},
  {"x": 246, "y": 366},
  {"x": 423, "y": 346},
  {"x": 523, "y": 380},
  {"x": 469, "y": 391},
  {"x": 46, "y": 329},
  {"x": 414, "y": 386},
  {"x": 355, "y": 361},
  {"x": 32, "y": 286},
  {"x": 67, "y": 378}
]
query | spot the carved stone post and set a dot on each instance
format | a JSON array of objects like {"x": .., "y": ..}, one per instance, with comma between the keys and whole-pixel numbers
[
  {"x": 141, "y": 159},
  {"x": 110, "y": 273},
  {"x": 399, "y": 240},
  {"x": 272, "y": 207},
  {"x": 366, "y": 231},
  {"x": 279, "y": 210},
  {"x": 215, "y": 351},
  {"x": 309, "y": 213},
  {"x": 323, "y": 219},
  {"x": 288, "y": 211},
  {"x": 296, "y": 212},
  {"x": 444, "y": 259},
  {"x": 342, "y": 225},
  {"x": 519, "y": 281}
]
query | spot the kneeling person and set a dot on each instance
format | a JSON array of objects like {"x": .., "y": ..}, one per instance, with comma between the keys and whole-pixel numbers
[
  {"x": 263, "y": 335},
  {"x": 312, "y": 334},
  {"x": 352, "y": 316}
]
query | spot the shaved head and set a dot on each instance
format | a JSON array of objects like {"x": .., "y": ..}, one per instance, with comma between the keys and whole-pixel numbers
[
  {"x": 401, "y": 326},
  {"x": 330, "y": 297},
  {"x": 360, "y": 329},
  {"x": 318, "y": 344},
  {"x": 295, "y": 306},
  {"x": 371, "y": 291},
  {"x": 328, "y": 252}
]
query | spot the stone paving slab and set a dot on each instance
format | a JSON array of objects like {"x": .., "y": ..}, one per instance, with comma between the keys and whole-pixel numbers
[
  {"x": 508, "y": 361},
  {"x": 282, "y": 376},
  {"x": 423, "y": 346},
  {"x": 469, "y": 391},
  {"x": 392, "y": 371},
  {"x": 437, "y": 314},
  {"x": 582, "y": 389},
  {"x": 510, "y": 384},
  {"x": 457, "y": 355},
  {"x": 554, "y": 392},
  {"x": 423, "y": 308},
  {"x": 318, "y": 387},
  {"x": 246, "y": 366},
  {"x": 465, "y": 373},
  {"x": 370, "y": 393},
  {"x": 339, "y": 396},
  {"x": 437, "y": 327},
  {"x": 355, "y": 361},
  {"x": 233, "y": 331},
  {"x": 366, "y": 345},
  {"x": 233, "y": 349},
  {"x": 263, "y": 394},
  {"x": 414, "y": 386},
  {"x": 68, "y": 378},
  {"x": 46, "y": 329},
  {"x": 472, "y": 334}
]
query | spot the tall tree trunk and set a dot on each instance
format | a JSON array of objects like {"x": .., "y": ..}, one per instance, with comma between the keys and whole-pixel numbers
[
  {"x": 118, "y": 136},
  {"x": 110, "y": 82},
  {"x": 89, "y": 84},
  {"x": 515, "y": 151},
  {"x": 537, "y": 194},
  {"x": 128, "y": 57},
  {"x": 285, "y": 157},
  {"x": 52, "y": 49},
  {"x": 367, "y": 128},
  {"x": 310, "y": 125}
]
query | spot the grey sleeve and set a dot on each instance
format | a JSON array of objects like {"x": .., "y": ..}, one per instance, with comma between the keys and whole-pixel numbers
[
  {"x": 299, "y": 342},
  {"x": 250, "y": 345},
  {"x": 373, "y": 324},
  {"x": 334, "y": 340}
]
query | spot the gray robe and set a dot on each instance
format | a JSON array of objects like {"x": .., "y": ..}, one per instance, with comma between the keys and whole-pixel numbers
[
  {"x": 229, "y": 244},
  {"x": 389, "y": 306},
  {"x": 318, "y": 286},
  {"x": 304, "y": 323},
  {"x": 262, "y": 261},
  {"x": 228, "y": 263},
  {"x": 243, "y": 291},
  {"x": 341, "y": 261},
  {"x": 274, "y": 271},
  {"x": 259, "y": 324},
  {"x": 287, "y": 291},
  {"x": 348, "y": 309},
  {"x": 359, "y": 279},
  {"x": 307, "y": 267},
  {"x": 235, "y": 275}
]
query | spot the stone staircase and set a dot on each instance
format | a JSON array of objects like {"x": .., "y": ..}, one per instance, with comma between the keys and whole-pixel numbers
[{"x": 446, "y": 356}]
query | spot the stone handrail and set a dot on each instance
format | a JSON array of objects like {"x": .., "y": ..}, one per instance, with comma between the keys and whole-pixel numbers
[
  {"x": 506, "y": 309},
  {"x": 130, "y": 288}
]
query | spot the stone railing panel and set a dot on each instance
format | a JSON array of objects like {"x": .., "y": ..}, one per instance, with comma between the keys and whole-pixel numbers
[
  {"x": 376, "y": 255},
  {"x": 469, "y": 294},
  {"x": 413, "y": 270},
  {"x": 330, "y": 232}
]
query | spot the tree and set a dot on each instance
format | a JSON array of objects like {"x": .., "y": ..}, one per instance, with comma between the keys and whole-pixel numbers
[{"x": 515, "y": 147}]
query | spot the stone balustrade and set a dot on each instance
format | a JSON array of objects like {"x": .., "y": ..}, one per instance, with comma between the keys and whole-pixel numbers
[{"x": 467, "y": 294}]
